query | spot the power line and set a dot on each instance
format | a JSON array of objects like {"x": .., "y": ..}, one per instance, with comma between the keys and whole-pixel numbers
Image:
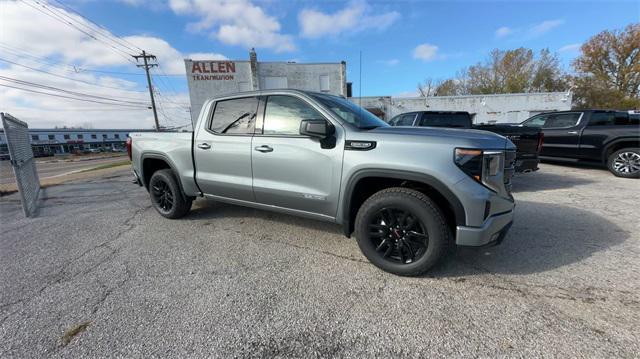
[
  {"x": 64, "y": 77},
  {"x": 69, "y": 97},
  {"x": 52, "y": 88},
  {"x": 69, "y": 8},
  {"x": 57, "y": 17}
]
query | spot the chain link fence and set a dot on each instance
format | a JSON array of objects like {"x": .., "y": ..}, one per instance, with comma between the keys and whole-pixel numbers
[{"x": 24, "y": 166}]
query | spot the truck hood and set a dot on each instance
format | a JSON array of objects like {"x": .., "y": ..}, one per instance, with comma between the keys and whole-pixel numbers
[{"x": 490, "y": 139}]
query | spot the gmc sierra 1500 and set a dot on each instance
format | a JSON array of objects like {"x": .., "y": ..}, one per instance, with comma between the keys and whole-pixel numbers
[{"x": 406, "y": 192}]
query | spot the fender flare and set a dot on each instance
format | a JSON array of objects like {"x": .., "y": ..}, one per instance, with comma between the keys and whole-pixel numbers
[
  {"x": 158, "y": 156},
  {"x": 436, "y": 184}
]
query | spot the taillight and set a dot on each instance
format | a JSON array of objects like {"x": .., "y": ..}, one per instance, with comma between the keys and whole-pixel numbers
[
  {"x": 128, "y": 144},
  {"x": 540, "y": 141}
]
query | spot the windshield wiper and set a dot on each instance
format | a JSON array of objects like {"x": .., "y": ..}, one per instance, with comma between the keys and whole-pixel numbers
[
  {"x": 368, "y": 127},
  {"x": 232, "y": 124}
]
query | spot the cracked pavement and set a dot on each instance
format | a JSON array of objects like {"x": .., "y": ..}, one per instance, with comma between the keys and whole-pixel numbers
[{"x": 226, "y": 281}]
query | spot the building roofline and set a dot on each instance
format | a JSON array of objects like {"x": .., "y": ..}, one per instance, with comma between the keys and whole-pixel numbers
[{"x": 463, "y": 96}]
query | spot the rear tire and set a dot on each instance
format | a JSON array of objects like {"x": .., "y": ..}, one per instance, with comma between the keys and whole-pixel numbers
[
  {"x": 625, "y": 163},
  {"x": 401, "y": 231},
  {"x": 166, "y": 196}
]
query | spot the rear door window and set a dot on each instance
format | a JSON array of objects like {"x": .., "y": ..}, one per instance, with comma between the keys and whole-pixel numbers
[
  {"x": 609, "y": 118},
  {"x": 235, "y": 116}
]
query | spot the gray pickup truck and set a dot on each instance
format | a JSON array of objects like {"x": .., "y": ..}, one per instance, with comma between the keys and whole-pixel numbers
[{"x": 407, "y": 193}]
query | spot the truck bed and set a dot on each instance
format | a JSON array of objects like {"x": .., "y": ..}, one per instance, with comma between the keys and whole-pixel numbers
[{"x": 173, "y": 147}]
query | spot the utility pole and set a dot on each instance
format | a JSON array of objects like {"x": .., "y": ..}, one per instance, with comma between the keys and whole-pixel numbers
[{"x": 147, "y": 66}]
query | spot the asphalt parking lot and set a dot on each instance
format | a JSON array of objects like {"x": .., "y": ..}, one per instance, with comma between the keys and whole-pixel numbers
[{"x": 99, "y": 273}]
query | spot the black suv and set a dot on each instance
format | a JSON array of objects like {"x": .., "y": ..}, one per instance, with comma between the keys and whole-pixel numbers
[{"x": 611, "y": 138}]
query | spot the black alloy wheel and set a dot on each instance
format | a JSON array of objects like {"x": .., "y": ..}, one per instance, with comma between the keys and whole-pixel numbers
[
  {"x": 398, "y": 236},
  {"x": 167, "y": 196},
  {"x": 162, "y": 195},
  {"x": 402, "y": 231}
]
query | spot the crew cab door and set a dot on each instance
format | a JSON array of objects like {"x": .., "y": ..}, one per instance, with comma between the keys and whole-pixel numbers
[
  {"x": 603, "y": 128},
  {"x": 561, "y": 133},
  {"x": 222, "y": 149},
  {"x": 290, "y": 170}
]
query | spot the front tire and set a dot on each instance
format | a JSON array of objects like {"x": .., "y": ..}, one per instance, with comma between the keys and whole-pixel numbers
[
  {"x": 625, "y": 163},
  {"x": 401, "y": 231},
  {"x": 166, "y": 196}
]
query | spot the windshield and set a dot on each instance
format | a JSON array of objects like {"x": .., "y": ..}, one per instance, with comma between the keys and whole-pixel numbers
[{"x": 350, "y": 112}]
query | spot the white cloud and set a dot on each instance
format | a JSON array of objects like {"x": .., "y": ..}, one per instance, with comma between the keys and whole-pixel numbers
[
  {"x": 356, "y": 16},
  {"x": 56, "y": 46},
  {"x": 235, "y": 22},
  {"x": 503, "y": 31},
  {"x": 206, "y": 56},
  {"x": 570, "y": 48},
  {"x": 425, "y": 52},
  {"x": 528, "y": 32},
  {"x": 544, "y": 27}
]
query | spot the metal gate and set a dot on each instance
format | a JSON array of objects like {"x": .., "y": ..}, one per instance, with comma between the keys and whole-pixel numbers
[{"x": 24, "y": 167}]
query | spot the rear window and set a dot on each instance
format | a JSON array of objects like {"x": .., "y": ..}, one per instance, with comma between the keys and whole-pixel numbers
[
  {"x": 554, "y": 120},
  {"x": 236, "y": 116},
  {"x": 462, "y": 120}
]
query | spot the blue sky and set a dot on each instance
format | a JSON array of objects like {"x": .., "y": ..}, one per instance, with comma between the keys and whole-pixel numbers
[
  {"x": 402, "y": 43},
  {"x": 464, "y": 33}
]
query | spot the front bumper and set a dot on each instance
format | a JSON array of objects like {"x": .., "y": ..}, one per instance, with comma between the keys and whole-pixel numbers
[{"x": 493, "y": 231}]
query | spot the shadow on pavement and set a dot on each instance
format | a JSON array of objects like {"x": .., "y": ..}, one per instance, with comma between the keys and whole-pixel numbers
[
  {"x": 543, "y": 237},
  {"x": 540, "y": 181}
]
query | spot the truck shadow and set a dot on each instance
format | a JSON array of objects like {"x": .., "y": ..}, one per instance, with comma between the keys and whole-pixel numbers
[
  {"x": 543, "y": 237},
  {"x": 541, "y": 180}
]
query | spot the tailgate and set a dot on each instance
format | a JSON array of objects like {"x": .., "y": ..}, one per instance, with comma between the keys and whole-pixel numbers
[{"x": 525, "y": 138}]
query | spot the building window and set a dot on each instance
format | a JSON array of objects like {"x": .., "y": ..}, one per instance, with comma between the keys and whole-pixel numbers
[
  {"x": 324, "y": 83},
  {"x": 80, "y": 136},
  {"x": 34, "y": 137},
  {"x": 93, "y": 136},
  {"x": 52, "y": 137},
  {"x": 116, "y": 135},
  {"x": 104, "y": 136},
  {"x": 67, "y": 137}
]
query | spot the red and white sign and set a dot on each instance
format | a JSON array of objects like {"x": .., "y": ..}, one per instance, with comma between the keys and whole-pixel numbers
[{"x": 213, "y": 70}]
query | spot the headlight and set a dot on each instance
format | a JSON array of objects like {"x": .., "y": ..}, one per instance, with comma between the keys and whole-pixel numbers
[{"x": 486, "y": 167}]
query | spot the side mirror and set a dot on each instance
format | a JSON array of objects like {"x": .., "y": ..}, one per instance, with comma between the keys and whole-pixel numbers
[{"x": 318, "y": 128}]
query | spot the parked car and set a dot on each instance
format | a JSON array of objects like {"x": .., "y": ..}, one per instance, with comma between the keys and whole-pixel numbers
[
  {"x": 528, "y": 140},
  {"x": 323, "y": 157},
  {"x": 610, "y": 138}
]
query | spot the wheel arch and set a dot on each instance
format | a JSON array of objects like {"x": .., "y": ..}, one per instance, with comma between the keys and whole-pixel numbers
[
  {"x": 618, "y": 145},
  {"x": 364, "y": 183},
  {"x": 152, "y": 162}
]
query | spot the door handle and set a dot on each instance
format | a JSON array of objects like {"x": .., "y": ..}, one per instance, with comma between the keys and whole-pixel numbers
[
  {"x": 204, "y": 146},
  {"x": 573, "y": 132},
  {"x": 263, "y": 148}
]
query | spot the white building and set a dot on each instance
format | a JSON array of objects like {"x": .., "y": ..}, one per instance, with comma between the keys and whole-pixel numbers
[
  {"x": 53, "y": 141},
  {"x": 207, "y": 79},
  {"x": 485, "y": 108}
]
